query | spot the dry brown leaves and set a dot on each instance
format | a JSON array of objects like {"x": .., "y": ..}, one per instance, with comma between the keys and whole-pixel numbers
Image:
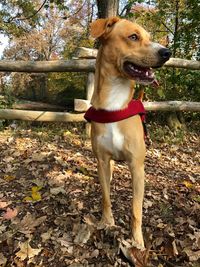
[{"x": 50, "y": 203}]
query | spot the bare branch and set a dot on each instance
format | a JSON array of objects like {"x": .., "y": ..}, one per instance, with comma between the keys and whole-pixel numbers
[
  {"x": 75, "y": 13},
  {"x": 26, "y": 18}
]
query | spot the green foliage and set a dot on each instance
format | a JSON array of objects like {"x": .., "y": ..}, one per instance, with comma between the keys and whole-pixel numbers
[
  {"x": 61, "y": 4},
  {"x": 174, "y": 23},
  {"x": 163, "y": 134},
  {"x": 65, "y": 87},
  {"x": 6, "y": 100},
  {"x": 13, "y": 22}
]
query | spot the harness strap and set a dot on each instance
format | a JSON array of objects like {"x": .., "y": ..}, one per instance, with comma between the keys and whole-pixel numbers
[{"x": 104, "y": 116}]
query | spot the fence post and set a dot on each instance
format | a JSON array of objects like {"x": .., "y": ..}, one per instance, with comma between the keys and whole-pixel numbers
[
  {"x": 87, "y": 53},
  {"x": 89, "y": 93}
]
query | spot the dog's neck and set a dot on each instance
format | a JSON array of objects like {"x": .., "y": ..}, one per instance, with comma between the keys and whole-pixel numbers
[{"x": 111, "y": 91}]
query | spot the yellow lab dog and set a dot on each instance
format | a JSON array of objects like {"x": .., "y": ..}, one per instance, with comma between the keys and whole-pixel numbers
[{"x": 126, "y": 56}]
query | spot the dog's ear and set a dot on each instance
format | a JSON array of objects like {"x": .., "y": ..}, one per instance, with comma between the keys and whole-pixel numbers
[{"x": 101, "y": 27}]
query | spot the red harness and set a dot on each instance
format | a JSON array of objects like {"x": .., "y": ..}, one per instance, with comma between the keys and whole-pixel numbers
[{"x": 104, "y": 116}]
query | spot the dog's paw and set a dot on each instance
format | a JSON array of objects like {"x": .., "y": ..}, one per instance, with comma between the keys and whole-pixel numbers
[
  {"x": 106, "y": 223},
  {"x": 138, "y": 241}
]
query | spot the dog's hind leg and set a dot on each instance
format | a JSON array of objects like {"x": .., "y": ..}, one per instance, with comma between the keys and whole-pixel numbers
[{"x": 105, "y": 167}]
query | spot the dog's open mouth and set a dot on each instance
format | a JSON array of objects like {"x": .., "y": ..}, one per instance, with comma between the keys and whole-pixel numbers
[{"x": 142, "y": 75}]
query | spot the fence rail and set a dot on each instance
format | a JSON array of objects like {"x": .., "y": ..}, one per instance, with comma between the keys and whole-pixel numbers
[
  {"x": 29, "y": 115},
  {"x": 74, "y": 65},
  {"x": 84, "y": 61},
  {"x": 81, "y": 105},
  {"x": 78, "y": 65}
]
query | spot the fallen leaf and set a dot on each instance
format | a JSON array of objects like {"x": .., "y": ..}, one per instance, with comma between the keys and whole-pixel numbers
[
  {"x": 76, "y": 191},
  {"x": 3, "y": 260},
  {"x": 35, "y": 189},
  {"x": 28, "y": 224},
  {"x": 76, "y": 265},
  {"x": 175, "y": 251},
  {"x": 158, "y": 241},
  {"x": 60, "y": 160},
  {"x": 67, "y": 133},
  {"x": 187, "y": 184},
  {"x": 46, "y": 236},
  {"x": 94, "y": 253},
  {"x": 4, "y": 204},
  {"x": 36, "y": 196},
  {"x": 170, "y": 248},
  {"x": 161, "y": 225},
  {"x": 9, "y": 178},
  {"x": 65, "y": 240},
  {"x": 8, "y": 159},
  {"x": 196, "y": 198},
  {"x": 38, "y": 182},
  {"x": 90, "y": 220},
  {"x": 139, "y": 257},
  {"x": 27, "y": 199},
  {"x": 57, "y": 190},
  {"x": 39, "y": 156},
  {"x": 26, "y": 251},
  {"x": 147, "y": 204},
  {"x": 192, "y": 255},
  {"x": 10, "y": 214},
  {"x": 82, "y": 170},
  {"x": 80, "y": 205},
  {"x": 2, "y": 228},
  {"x": 83, "y": 234}
]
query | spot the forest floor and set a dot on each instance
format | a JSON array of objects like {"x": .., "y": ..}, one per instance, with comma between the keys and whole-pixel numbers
[{"x": 50, "y": 201}]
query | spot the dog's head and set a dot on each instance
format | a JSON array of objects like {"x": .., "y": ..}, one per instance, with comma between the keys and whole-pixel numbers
[{"x": 129, "y": 48}]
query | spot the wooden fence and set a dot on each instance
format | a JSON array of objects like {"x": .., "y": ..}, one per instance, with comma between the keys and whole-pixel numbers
[{"x": 84, "y": 61}]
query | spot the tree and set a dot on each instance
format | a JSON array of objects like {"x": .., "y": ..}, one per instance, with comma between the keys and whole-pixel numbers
[
  {"x": 55, "y": 35},
  {"x": 107, "y": 8}
]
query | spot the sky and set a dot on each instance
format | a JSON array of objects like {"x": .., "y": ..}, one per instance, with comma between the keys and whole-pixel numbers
[{"x": 3, "y": 43}]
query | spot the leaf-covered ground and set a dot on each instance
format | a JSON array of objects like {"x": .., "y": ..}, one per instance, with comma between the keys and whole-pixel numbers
[{"x": 50, "y": 201}]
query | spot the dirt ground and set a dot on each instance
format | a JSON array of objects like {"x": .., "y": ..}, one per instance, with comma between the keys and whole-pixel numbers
[{"x": 50, "y": 201}]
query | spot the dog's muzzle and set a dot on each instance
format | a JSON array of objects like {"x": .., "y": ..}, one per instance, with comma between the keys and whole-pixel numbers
[{"x": 142, "y": 71}]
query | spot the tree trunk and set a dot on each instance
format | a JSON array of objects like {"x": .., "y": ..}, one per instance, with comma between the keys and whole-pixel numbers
[
  {"x": 107, "y": 8},
  {"x": 174, "y": 122}
]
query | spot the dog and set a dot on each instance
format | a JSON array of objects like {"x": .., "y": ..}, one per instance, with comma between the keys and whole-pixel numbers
[{"x": 126, "y": 56}]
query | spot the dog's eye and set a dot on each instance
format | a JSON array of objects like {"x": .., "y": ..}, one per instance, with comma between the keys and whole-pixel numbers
[{"x": 133, "y": 37}]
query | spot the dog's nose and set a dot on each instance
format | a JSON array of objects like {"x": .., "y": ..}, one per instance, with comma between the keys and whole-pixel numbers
[{"x": 164, "y": 53}]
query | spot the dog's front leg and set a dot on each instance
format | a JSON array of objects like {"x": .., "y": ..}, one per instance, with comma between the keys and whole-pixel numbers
[
  {"x": 105, "y": 175},
  {"x": 137, "y": 172}
]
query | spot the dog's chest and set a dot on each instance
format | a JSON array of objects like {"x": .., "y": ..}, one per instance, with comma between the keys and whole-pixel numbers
[
  {"x": 118, "y": 94},
  {"x": 112, "y": 139}
]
